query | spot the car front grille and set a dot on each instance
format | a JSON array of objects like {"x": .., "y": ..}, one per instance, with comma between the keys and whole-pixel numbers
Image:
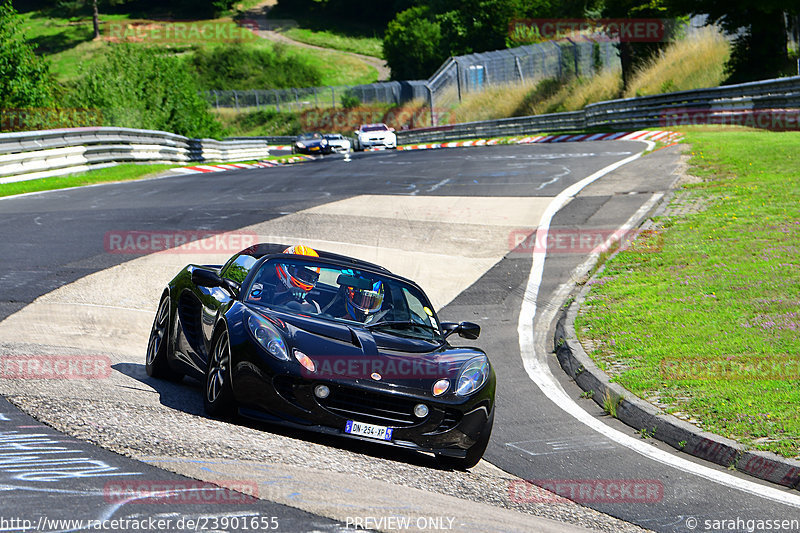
[
  {"x": 370, "y": 407},
  {"x": 450, "y": 420}
]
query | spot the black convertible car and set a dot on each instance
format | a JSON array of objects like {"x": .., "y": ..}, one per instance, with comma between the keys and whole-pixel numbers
[
  {"x": 311, "y": 143},
  {"x": 329, "y": 343}
]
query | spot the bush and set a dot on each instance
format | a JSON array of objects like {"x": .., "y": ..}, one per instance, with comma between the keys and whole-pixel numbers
[
  {"x": 238, "y": 67},
  {"x": 350, "y": 100},
  {"x": 140, "y": 87},
  {"x": 25, "y": 79},
  {"x": 264, "y": 122},
  {"x": 412, "y": 45}
]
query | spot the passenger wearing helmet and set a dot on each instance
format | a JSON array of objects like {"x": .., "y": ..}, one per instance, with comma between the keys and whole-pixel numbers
[
  {"x": 362, "y": 303},
  {"x": 296, "y": 281}
]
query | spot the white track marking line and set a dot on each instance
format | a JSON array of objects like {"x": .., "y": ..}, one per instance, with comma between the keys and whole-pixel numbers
[{"x": 536, "y": 365}]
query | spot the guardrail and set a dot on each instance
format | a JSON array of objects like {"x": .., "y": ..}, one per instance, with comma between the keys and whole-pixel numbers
[
  {"x": 41, "y": 154},
  {"x": 572, "y": 121},
  {"x": 716, "y": 104}
]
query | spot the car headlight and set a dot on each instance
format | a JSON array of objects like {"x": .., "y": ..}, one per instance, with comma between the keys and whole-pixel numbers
[
  {"x": 300, "y": 145},
  {"x": 324, "y": 143},
  {"x": 267, "y": 336},
  {"x": 473, "y": 375}
]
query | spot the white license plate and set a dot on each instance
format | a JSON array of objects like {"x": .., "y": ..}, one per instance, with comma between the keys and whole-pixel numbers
[{"x": 368, "y": 430}]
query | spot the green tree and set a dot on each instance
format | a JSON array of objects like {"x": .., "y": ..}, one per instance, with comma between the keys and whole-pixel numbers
[
  {"x": 237, "y": 66},
  {"x": 634, "y": 54},
  {"x": 760, "y": 46},
  {"x": 412, "y": 44},
  {"x": 437, "y": 29},
  {"x": 139, "y": 87},
  {"x": 25, "y": 79}
]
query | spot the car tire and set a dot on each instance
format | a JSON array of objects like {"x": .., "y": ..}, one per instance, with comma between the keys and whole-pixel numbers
[
  {"x": 156, "y": 360},
  {"x": 218, "y": 393},
  {"x": 474, "y": 452}
]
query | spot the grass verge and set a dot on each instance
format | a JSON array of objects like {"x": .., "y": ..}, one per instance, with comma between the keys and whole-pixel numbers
[
  {"x": 124, "y": 172},
  {"x": 369, "y": 46},
  {"x": 692, "y": 63},
  {"x": 69, "y": 45},
  {"x": 707, "y": 327}
]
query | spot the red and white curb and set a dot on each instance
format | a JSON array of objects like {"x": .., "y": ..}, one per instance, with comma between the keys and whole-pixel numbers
[
  {"x": 206, "y": 169},
  {"x": 661, "y": 136}
]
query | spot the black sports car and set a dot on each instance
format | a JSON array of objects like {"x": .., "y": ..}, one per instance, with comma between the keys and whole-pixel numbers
[
  {"x": 329, "y": 343},
  {"x": 311, "y": 143}
]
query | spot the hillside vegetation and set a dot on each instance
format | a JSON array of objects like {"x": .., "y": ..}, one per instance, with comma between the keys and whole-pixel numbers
[{"x": 695, "y": 62}]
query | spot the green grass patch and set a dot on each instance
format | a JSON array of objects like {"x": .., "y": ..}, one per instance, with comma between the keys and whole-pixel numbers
[
  {"x": 69, "y": 45},
  {"x": 259, "y": 123},
  {"x": 707, "y": 324},
  {"x": 360, "y": 34},
  {"x": 370, "y": 46},
  {"x": 124, "y": 172}
]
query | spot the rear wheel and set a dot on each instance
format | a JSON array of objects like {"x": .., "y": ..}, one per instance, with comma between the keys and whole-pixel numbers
[
  {"x": 218, "y": 397},
  {"x": 156, "y": 363},
  {"x": 474, "y": 452}
]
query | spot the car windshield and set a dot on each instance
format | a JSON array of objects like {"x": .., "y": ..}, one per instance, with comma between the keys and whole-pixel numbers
[
  {"x": 349, "y": 295},
  {"x": 375, "y": 127},
  {"x": 310, "y": 136}
]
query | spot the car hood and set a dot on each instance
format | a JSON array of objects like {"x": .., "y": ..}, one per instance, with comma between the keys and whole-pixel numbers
[{"x": 342, "y": 351}]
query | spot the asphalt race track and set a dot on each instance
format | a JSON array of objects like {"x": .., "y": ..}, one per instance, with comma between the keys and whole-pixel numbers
[{"x": 449, "y": 219}]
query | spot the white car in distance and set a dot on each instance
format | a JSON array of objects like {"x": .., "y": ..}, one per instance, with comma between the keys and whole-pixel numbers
[
  {"x": 338, "y": 142},
  {"x": 375, "y": 136}
]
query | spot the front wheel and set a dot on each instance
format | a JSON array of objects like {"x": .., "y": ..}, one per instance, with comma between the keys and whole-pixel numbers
[
  {"x": 156, "y": 363},
  {"x": 474, "y": 452},
  {"x": 218, "y": 397}
]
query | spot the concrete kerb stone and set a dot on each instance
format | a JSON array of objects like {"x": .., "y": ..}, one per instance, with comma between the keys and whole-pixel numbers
[
  {"x": 771, "y": 467},
  {"x": 642, "y": 415}
]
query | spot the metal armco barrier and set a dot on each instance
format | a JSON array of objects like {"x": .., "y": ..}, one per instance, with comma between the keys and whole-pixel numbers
[
  {"x": 672, "y": 110},
  {"x": 41, "y": 154}
]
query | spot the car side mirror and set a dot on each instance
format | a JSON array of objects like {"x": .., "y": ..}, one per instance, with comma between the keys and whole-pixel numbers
[
  {"x": 467, "y": 330},
  {"x": 208, "y": 278},
  {"x": 391, "y": 129}
]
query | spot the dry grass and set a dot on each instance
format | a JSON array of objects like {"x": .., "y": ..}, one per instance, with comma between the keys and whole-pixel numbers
[
  {"x": 546, "y": 96},
  {"x": 605, "y": 86},
  {"x": 496, "y": 102},
  {"x": 695, "y": 62},
  {"x": 692, "y": 63},
  {"x": 411, "y": 115}
]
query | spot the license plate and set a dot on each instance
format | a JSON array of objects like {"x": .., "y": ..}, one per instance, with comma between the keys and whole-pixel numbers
[{"x": 368, "y": 430}]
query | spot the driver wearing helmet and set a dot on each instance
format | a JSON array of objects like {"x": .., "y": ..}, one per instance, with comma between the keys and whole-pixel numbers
[
  {"x": 296, "y": 281},
  {"x": 362, "y": 303}
]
